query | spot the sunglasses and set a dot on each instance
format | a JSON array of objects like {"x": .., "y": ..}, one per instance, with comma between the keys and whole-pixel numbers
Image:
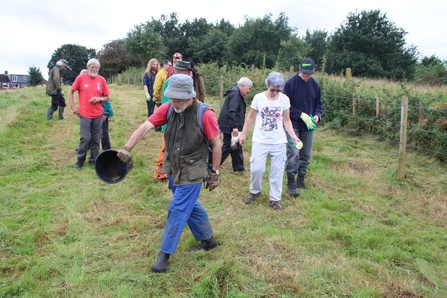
[{"x": 275, "y": 90}]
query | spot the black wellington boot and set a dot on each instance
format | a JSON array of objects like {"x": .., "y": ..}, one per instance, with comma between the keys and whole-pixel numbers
[
  {"x": 206, "y": 244},
  {"x": 300, "y": 182},
  {"x": 50, "y": 112},
  {"x": 162, "y": 263},
  {"x": 61, "y": 113}
]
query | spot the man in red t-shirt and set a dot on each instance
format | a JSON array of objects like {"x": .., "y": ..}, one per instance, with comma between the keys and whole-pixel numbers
[{"x": 92, "y": 92}]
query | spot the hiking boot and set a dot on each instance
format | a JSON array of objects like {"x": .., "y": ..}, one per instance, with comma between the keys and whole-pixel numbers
[
  {"x": 251, "y": 197},
  {"x": 206, "y": 244},
  {"x": 300, "y": 182},
  {"x": 276, "y": 206},
  {"x": 291, "y": 188},
  {"x": 79, "y": 164}
]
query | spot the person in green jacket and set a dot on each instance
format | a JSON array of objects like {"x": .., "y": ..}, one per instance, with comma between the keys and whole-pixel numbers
[{"x": 54, "y": 89}]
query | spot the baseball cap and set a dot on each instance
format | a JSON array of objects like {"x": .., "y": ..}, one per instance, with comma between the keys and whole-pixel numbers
[
  {"x": 307, "y": 65},
  {"x": 180, "y": 87},
  {"x": 182, "y": 65},
  {"x": 177, "y": 56}
]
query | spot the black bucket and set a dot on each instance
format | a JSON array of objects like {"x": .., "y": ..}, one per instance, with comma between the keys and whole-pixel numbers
[{"x": 109, "y": 168}]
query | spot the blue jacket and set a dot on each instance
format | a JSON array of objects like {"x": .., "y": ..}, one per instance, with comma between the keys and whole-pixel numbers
[
  {"x": 304, "y": 97},
  {"x": 108, "y": 110}
]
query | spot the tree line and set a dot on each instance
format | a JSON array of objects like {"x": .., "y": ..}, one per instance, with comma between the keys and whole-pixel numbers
[{"x": 367, "y": 42}]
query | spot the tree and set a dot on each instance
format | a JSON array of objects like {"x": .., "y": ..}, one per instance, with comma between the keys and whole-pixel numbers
[
  {"x": 371, "y": 46},
  {"x": 318, "y": 42},
  {"x": 431, "y": 71},
  {"x": 209, "y": 48},
  {"x": 144, "y": 43},
  {"x": 115, "y": 59},
  {"x": 291, "y": 53},
  {"x": 171, "y": 34},
  {"x": 258, "y": 41},
  {"x": 35, "y": 76},
  {"x": 76, "y": 56}
]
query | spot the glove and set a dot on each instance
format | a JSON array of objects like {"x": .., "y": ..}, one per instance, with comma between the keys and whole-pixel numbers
[
  {"x": 212, "y": 182},
  {"x": 124, "y": 154},
  {"x": 148, "y": 96},
  {"x": 62, "y": 93},
  {"x": 297, "y": 145},
  {"x": 313, "y": 119},
  {"x": 235, "y": 141},
  {"x": 308, "y": 121}
]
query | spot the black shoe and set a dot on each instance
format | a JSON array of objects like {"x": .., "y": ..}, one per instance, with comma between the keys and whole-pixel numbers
[
  {"x": 79, "y": 165},
  {"x": 291, "y": 189},
  {"x": 206, "y": 244},
  {"x": 77, "y": 149},
  {"x": 161, "y": 264},
  {"x": 300, "y": 183},
  {"x": 92, "y": 163}
]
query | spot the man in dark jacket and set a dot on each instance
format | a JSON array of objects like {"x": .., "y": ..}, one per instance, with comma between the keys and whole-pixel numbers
[
  {"x": 231, "y": 121},
  {"x": 305, "y": 110},
  {"x": 54, "y": 89}
]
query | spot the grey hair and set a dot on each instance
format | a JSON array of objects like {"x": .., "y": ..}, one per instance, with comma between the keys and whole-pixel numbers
[
  {"x": 275, "y": 79},
  {"x": 245, "y": 82},
  {"x": 93, "y": 61}
]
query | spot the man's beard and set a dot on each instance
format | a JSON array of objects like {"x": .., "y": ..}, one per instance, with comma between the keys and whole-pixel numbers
[
  {"x": 182, "y": 109},
  {"x": 92, "y": 74}
]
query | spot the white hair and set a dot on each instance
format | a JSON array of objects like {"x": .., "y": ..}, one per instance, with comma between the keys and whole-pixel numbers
[
  {"x": 93, "y": 61},
  {"x": 245, "y": 82}
]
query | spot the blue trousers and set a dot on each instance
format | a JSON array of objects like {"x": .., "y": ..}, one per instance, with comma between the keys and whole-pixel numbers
[
  {"x": 185, "y": 209},
  {"x": 299, "y": 159}
]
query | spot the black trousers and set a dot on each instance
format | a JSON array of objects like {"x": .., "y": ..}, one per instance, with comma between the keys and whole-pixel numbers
[{"x": 237, "y": 156}]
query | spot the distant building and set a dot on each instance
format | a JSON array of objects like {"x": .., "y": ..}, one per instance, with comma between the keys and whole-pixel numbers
[{"x": 13, "y": 81}]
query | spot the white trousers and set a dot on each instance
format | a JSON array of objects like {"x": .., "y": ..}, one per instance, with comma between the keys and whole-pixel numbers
[{"x": 257, "y": 168}]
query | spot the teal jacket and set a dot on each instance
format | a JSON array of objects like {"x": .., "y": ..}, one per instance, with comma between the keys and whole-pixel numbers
[{"x": 108, "y": 110}]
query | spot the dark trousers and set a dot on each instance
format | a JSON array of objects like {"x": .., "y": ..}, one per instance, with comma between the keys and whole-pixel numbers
[
  {"x": 105, "y": 139},
  {"x": 57, "y": 100},
  {"x": 150, "y": 107},
  {"x": 237, "y": 156},
  {"x": 91, "y": 130}
]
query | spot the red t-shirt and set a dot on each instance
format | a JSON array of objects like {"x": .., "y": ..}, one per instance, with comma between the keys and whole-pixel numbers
[
  {"x": 87, "y": 88},
  {"x": 158, "y": 118}
]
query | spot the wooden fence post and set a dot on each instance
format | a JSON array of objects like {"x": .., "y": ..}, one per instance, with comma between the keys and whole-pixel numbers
[
  {"x": 221, "y": 90},
  {"x": 403, "y": 137},
  {"x": 377, "y": 106}
]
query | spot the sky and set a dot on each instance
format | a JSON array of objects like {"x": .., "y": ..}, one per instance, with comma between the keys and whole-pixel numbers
[{"x": 33, "y": 30}]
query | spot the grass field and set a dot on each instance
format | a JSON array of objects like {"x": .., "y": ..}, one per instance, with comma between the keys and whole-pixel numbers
[{"x": 356, "y": 232}]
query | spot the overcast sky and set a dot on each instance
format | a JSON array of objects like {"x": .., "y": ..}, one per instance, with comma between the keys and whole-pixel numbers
[{"x": 33, "y": 30}]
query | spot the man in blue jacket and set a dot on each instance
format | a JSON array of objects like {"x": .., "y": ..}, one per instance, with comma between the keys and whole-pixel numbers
[{"x": 305, "y": 111}]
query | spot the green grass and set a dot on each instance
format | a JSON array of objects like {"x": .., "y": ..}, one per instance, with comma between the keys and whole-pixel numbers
[{"x": 356, "y": 232}]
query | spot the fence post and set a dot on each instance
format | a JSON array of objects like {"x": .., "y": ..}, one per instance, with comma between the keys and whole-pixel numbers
[
  {"x": 403, "y": 137},
  {"x": 377, "y": 106},
  {"x": 421, "y": 115},
  {"x": 221, "y": 89},
  {"x": 354, "y": 105}
]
